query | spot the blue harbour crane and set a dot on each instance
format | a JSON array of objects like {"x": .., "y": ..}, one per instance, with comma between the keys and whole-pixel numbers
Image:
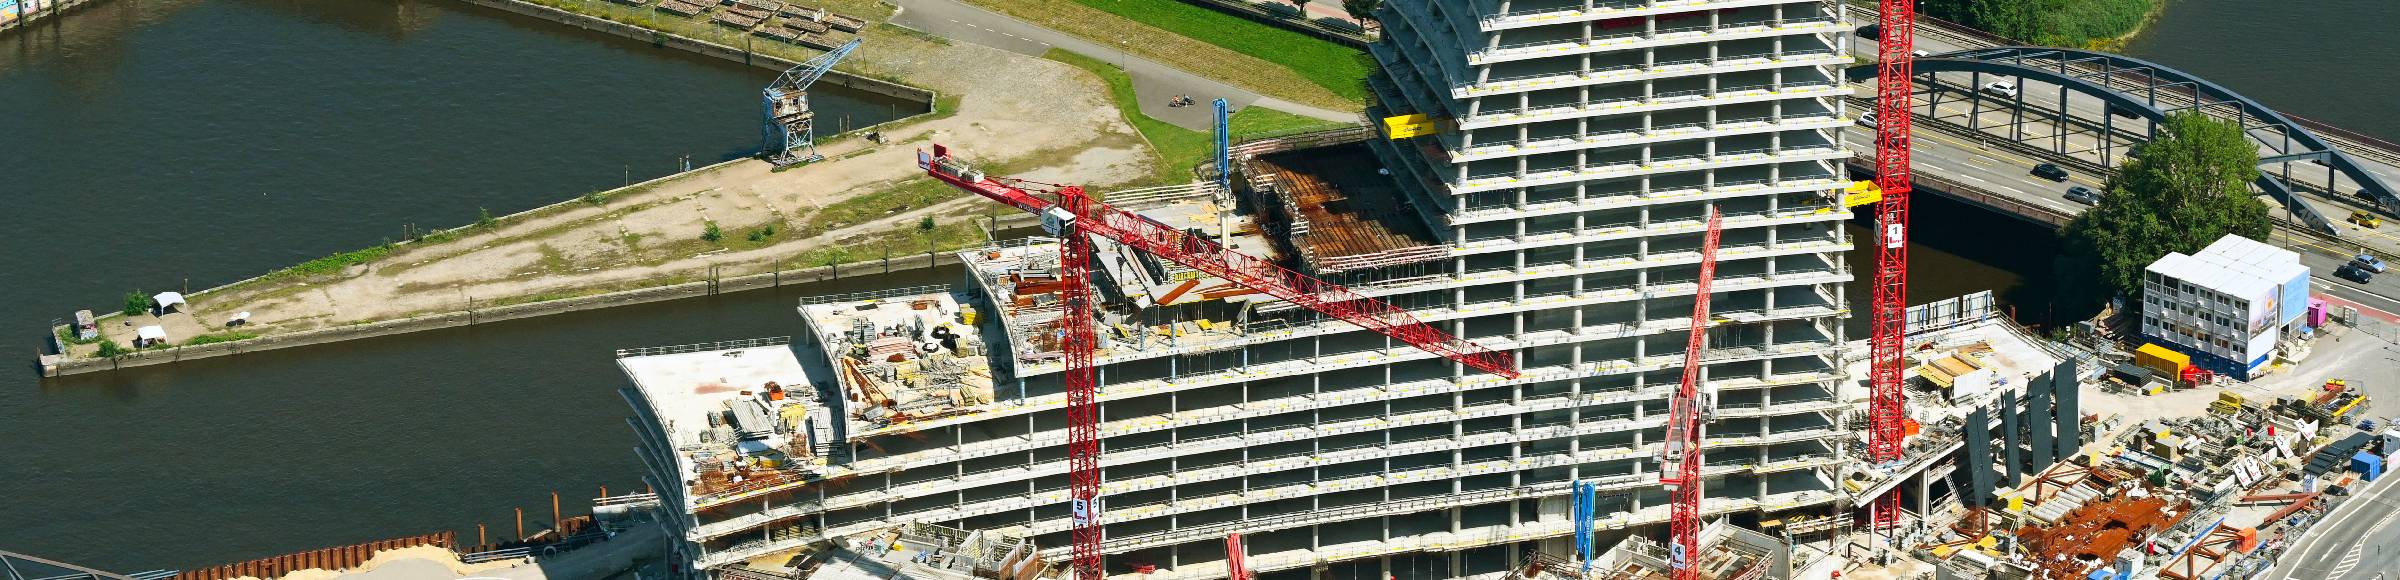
[{"x": 789, "y": 126}]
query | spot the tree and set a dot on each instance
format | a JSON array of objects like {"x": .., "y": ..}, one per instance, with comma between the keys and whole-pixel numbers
[
  {"x": 1362, "y": 11},
  {"x": 1299, "y": 9},
  {"x": 2177, "y": 193},
  {"x": 137, "y": 303}
]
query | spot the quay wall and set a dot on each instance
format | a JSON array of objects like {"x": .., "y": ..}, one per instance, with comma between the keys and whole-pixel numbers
[
  {"x": 473, "y": 316},
  {"x": 16, "y": 14},
  {"x": 54, "y": 366}
]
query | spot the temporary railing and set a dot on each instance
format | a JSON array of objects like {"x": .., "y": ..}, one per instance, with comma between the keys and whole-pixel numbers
[{"x": 704, "y": 346}]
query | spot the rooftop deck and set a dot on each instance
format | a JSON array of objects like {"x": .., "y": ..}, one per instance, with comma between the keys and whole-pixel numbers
[
  {"x": 907, "y": 355},
  {"x": 1023, "y": 281},
  {"x": 735, "y": 414}
]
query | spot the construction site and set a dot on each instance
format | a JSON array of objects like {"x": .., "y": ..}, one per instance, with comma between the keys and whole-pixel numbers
[{"x": 1579, "y": 317}]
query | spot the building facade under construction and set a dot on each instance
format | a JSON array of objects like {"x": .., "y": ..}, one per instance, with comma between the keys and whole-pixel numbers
[{"x": 1554, "y": 210}]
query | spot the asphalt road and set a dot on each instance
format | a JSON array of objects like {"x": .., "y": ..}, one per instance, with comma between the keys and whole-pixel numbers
[
  {"x": 1153, "y": 82},
  {"x": 2354, "y": 542},
  {"x": 2084, "y": 119}
]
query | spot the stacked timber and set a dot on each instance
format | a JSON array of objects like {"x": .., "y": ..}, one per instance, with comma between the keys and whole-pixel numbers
[
  {"x": 684, "y": 8},
  {"x": 821, "y": 41},
  {"x": 741, "y": 17},
  {"x": 843, "y": 23},
  {"x": 805, "y": 26},
  {"x": 837, "y": 21},
  {"x": 778, "y": 33}
]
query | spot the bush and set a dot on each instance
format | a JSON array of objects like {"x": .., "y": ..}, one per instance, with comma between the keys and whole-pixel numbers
[
  {"x": 217, "y": 337},
  {"x": 483, "y": 218},
  {"x": 761, "y": 233},
  {"x": 109, "y": 349},
  {"x": 137, "y": 303},
  {"x": 711, "y": 233}
]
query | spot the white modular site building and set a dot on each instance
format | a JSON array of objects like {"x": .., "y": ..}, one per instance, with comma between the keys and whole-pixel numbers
[{"x": 1556, "y": 214}]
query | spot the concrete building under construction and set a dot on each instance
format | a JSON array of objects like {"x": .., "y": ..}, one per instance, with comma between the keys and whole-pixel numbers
[{"x": 1555, "y": 211}]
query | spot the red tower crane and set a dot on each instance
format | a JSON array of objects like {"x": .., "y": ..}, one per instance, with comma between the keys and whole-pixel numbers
[
  {"x": 1075, "y": 219},
  {"x": 1679, "y": 469},
  {"x": 1235, "y": 568},
  {"x": 1894, "y": 88}
]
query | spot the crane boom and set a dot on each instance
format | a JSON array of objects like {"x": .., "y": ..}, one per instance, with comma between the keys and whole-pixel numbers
[
  {"x": 1680, "y": 470},
  {"x": 1235, "y": 568},
  {"x": 1888, "y": 318},
  {"x": 1209, "y": 257}
]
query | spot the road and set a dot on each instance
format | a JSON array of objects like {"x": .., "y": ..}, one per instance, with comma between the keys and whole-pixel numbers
[
  {"x": 1987, "y": 165},
  {"x": 2085, "y": 114},
  {"x": 1154, "y": 83},
  {"x": 2357, "y": 541}
]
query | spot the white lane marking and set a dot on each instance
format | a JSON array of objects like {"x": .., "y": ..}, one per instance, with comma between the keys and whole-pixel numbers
[
  {"x": 2358, "y": 549},
  {"x": 2325, "y": 525}
]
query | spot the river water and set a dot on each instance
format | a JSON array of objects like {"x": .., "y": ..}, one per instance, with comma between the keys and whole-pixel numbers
[{"x": 144, "y": 142}]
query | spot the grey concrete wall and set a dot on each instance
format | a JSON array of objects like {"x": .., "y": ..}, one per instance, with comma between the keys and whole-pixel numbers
[{"x": 423, "y": 322}]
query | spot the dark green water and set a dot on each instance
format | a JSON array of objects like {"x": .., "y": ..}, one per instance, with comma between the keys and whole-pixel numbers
[
  {"x": 2328, "y": 60},
  {"x": 143, "y": 142}
]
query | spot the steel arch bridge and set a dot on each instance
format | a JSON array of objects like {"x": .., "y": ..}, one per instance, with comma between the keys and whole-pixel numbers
[{"x": 2150, "y": 91}]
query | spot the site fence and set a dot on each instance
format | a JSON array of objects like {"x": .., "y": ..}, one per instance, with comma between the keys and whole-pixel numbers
[{"x": 704, "y": 347}]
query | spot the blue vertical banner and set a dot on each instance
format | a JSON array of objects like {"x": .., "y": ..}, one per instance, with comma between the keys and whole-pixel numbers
[
  {"x": 1224, "y": 156},
  {"x": 1586, "y": 494}
]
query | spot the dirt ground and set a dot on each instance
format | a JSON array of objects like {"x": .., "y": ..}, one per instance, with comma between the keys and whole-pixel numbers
[{"x": 649, "y": 235}]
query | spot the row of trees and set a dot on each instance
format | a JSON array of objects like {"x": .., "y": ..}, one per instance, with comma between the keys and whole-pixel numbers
[
  {"x": 2178, "y": 193},
  {"x": 2069, "y": 23}
]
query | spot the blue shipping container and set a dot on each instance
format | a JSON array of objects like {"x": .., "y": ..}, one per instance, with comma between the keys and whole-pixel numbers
[{"x": 2367, "y": 465}]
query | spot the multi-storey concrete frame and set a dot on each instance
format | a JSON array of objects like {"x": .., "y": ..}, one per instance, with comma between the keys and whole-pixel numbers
[{"x": 1571, "y": 182}]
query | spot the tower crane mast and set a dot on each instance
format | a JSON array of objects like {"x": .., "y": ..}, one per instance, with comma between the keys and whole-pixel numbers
[
  {"x": 1894, "y": 88},
  {"x": 1680, "y": 467},
  {"x": 1076, "y": 219}
]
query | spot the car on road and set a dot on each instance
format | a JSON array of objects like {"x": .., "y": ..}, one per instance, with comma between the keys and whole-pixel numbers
[
  {"x": 2085, "y": 195},
  {"x": 1919, "y": 53},
  {"x": 1871, "y": 31},
  {"x": 2353, "y": 273},
  {"x": 2366, "y": 219},
  {"x": 2050, "y": 171},
  {"x": 1867, "y": 119},
  {"x": 2002, "y": 88},
  {"x": 2369, "y": 262}
]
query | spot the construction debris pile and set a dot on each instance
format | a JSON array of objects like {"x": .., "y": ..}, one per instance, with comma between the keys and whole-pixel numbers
[
  {"x": 751, "y": 437},
  {"x": 804, "y": 25},
  {"x": 1023, "y": 282},
  {"x": 914, "y": 550},
  {"x": 903, "y": 356},
  {"x": 1727, "y": 552},
  {"x": 2218, "y": 494},
  {"x": 738, "y": 415}
]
